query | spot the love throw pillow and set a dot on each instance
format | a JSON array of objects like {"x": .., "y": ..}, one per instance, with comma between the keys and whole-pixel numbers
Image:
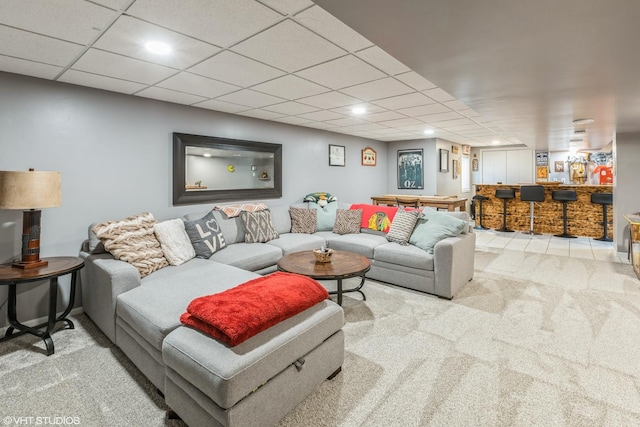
[{"x": 205, "y": 235}]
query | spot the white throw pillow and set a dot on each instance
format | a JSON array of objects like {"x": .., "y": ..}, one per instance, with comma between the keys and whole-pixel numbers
[{"x": 174, "y": 241}]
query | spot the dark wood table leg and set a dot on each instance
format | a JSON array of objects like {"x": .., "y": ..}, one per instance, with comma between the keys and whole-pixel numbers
[{"x": 339, "y": 292}]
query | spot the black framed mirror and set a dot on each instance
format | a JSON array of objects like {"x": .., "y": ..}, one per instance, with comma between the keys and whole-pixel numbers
[{"x": 212, "y": 169}]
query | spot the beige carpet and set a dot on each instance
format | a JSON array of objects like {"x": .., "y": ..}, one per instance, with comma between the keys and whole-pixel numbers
[{"x": 533, "y": 340}]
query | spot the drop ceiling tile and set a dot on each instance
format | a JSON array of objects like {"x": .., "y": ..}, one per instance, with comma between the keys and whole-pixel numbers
[
  {"x": 74, "y": 21},
  {"x": 293, "y": 120},
  {"x": 330, "y": 100},
  {"x": 378, "y": 89},
  {"x": 346, "y": 121},
  {"x": 28, "y": 68},
  {"x": 290, "y": 87},
  {"x": 250, "y": 98},
  {"x": 322, "y": 22},
  {"x": 289, "y": 46},
  {"x": 321, "y": 116},
  {"x": 235, "y": 69},
  {"x": 112, "y": 65},
  {"x": 381, "y": 117},
  {"x": 197, "y": 85},
  {"x": 424, "y": 110},
  {"x": 383, "y": 61},
  {"x": 100, "y": 82},
  {"x": 291, "y": 108},
  {"x": 320, "y": 125},
  {"x": 369, "y": 109},
  {"x": 455, "y": 122},
  {"x": 404, "y": 101},
  {"x": 468, "y": 112},
  {"x": 384, "y": 131},
  {"x": 170, "y": 96},
  {"x": 435, "y": 118},
  {"x": 417, "y": 127},
  {"x": 456, "y": 105},
  {"x": 220, "y": 22},
  {"x": 366, "y": 127},
  {"x": 26, "y": 45},
  {"x": 128, "y": 36},
  {"x": 262, "y": 114},
  {"x": 227, "y": 107},
  {"x": 114, "y": 4},
  {"x": 342, "y": 72},
  {"x": 438, "y": 94},
  {"x": 415, "y": 80},
  {"x": 407, "y": 121},
  {"x": 287, "y": 7},
  {"x": 463, "y": 129}
]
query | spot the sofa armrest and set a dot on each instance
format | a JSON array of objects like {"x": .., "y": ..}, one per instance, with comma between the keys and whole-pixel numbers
[
  {"x": 103, "y": 278},
  {"x": 453, "y": 263}
]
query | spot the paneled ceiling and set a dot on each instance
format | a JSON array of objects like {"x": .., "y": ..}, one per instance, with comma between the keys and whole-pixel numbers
[{"x": 293, "y": 62}]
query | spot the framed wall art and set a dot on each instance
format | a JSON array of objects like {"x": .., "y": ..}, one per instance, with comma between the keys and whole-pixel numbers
[
  {"x": 454, "y": 149},
  {"x": 558, "y": 166},
  {"x": 410, "y": 173},
  {"x": 369, "y": 156},
  {"x": 454, "y": 168},
  {"x": 336, "y": 155},
  {"x": 444, "y": 160}
]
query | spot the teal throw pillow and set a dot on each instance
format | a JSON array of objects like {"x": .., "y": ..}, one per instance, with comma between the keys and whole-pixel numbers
[
  {"x": 433, "y": 227},
  {"x": 326, "y": 216}
]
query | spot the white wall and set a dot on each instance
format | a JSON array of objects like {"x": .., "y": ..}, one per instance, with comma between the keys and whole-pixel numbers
[
  {"x": 115, "y": 155},
  {"x": 626, "y": 191}
]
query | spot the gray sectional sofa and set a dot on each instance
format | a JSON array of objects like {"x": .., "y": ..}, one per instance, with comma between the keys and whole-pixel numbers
[{"x": 209, "y": 383}]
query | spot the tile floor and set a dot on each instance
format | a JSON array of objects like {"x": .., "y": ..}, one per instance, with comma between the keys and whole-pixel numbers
[{"x": 581, "y": 247}]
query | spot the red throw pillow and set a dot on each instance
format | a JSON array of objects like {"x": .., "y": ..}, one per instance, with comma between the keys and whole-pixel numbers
[{"x": 376, "y": 217}]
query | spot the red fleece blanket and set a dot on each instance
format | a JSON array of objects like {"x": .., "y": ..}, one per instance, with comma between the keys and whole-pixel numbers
[{"x": 239, "y": 313}]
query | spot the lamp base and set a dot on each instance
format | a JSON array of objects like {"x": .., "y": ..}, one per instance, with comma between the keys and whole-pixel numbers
[{"x": 27, "y": 265}]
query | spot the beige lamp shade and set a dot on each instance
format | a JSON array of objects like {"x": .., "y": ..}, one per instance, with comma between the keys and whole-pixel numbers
[{"x": 30, "y": 189}]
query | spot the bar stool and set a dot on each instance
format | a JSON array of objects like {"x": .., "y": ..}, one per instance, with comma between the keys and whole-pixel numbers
[
  {"x": 408, "y": 202},
  {"x": 505, "y": 194},
  {"x": 564, "y": 196},
  {"x": 532, "y": 193},
  {"x": 604, "y": 199},
  {"x": 479, "y": 198}
]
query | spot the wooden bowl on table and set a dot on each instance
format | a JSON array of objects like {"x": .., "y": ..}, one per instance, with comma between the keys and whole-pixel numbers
[{"x": 323, "y": 256}]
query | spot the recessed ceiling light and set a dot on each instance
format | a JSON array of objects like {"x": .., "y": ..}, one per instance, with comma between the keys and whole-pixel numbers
[
  {"x": 585, "y": 121},
  {"x": 157, "y": 47},
  {"x": 428, "y": 131},
  {"x": 358, "y": 111},
  {"x": 495, "y": 142}
]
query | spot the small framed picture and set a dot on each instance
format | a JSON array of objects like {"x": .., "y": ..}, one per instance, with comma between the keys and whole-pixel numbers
[
  {"x": 368, "y": 156},
  {"x": 454, "y": 167},
  {"x": 466, "y": 150},
  {"x": 454, "y": 149},
  {"x": 410, "y": 174},
  {"x": 558, "y": 166},
  {"x": 444, "y": 160},
  {"x": 336, "y": 155}
]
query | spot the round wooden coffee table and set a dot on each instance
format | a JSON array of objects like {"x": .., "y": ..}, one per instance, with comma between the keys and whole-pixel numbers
[{"x": 343, "y": 265}]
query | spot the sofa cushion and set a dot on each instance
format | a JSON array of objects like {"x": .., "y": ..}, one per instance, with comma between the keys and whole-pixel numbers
[
  {"x": 362, "y": 243},
  {"x": 205, "y": 235},
  {"x": 232, "y": 228},
  {"x": 153, "y": 309},
  {"x": 409, "y": 256},
  {"x": 258, "y": 226},
  {"x": 303, "y": 220},
  {"x": 376, "y": 217},
  {"x": 433, "y": 227},
  {"x": 325, "y": 216},
  {"x": 133, "y": 240},
  {"x": 296, "y": 242},
  {"x": 402, "y": 226},
  {"x": 347, "y": 221},
  {"x": 174, "y": 241},
  {"x": 249, "y": 256}
]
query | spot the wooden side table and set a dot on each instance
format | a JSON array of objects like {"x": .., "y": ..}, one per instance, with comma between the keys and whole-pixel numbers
[{"x": 12, "y": 277}]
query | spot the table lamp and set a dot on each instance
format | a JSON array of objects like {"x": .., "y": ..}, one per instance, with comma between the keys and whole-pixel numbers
[{"x": 30, "y": 191}]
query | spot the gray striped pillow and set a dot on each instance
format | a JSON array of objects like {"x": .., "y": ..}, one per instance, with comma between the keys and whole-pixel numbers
[
  {"x": 402, "y": 226},
  {"x": 347, "y": 221}
]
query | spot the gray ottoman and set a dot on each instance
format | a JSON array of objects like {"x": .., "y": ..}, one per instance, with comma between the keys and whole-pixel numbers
[{"x": 259, "y": 381}]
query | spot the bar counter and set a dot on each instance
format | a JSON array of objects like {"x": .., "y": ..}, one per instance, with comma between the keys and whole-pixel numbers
[{"x": 584, "y": 217}]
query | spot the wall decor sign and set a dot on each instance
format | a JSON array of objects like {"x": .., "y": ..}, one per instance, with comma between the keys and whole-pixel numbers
[
  {"x": 466, "y": 150},
  {"x": 336, "y": 155},
  {"x": 369, "y": 156},
  {"x": 444, "y": 160},
  {"x": 454, "y": 149},
  {"x": 454, "y": 167},
  {"x": 542, "y": 158},
  {"x": 410, "y": 173},
  {"x": 558, "y": 166}
]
